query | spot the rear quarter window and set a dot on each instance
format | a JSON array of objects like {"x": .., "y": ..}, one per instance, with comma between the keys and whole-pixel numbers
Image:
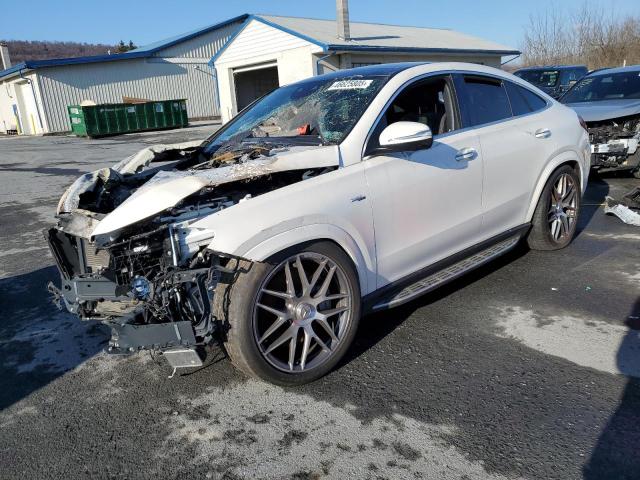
[
  {"x": 486, "y": 101},
  {"x": 523, "y": 100}
]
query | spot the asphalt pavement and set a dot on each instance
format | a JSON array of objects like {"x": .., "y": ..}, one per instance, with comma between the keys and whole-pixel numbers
[{"x": 527, "y": 368}]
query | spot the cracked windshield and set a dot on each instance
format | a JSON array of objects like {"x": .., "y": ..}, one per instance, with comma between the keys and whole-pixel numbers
[{"x": 322, "y": 111}]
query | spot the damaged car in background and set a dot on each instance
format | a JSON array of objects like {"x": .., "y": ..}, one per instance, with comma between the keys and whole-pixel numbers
[
  {"x": 609, "y": 102},
  {"x": 339, "y": 195}
]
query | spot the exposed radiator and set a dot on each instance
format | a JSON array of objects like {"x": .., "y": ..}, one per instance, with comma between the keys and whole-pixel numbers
[{"x": 95, "y": 260}]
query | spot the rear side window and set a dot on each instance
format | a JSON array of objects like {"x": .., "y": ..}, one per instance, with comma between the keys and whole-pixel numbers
[
  {"x": 486, "y": 101},
  {"x": 572, "y": 75},
  {"x": 523, "y": 100}
]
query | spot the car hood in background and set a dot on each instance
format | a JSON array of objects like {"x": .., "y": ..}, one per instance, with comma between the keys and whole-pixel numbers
[{"x": 605, "y": 109}]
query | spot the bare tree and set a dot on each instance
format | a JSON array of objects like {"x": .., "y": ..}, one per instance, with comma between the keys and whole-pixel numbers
[{"x": 589, "y": 35}]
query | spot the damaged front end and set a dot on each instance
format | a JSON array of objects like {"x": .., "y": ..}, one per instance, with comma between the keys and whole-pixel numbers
[
  {"x": 128, "y": 256},
  {"x": 614, "y": 143},
  {"x": 137, "y": 286}
]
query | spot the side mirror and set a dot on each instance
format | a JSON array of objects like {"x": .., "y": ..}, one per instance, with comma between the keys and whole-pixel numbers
[{"x": 403, "y": 136}]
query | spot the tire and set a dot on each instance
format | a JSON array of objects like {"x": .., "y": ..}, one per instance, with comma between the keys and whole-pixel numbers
[
  {"x": 557, "y": 203},
  {"x": 246, "y": 307},
  {"x": 636, "y": 173}
]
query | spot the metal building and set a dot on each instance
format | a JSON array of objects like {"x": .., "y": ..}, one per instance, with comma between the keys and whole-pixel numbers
[
  {"x": 34, "y": 95},
  {"x": 269, "y": 51},
  {"x": 222, "y": 68}
]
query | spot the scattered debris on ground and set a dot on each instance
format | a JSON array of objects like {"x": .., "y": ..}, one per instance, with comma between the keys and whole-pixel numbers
[{"x": 624, "y": 209}]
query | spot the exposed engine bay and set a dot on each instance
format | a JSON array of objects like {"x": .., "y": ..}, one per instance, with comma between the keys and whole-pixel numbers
[
  {"x": 126, "y": 250},
  {"x": 614, "y": 143}
]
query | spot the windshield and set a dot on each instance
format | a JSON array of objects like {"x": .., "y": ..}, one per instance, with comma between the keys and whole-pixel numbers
[
  {"x": 616, "y": 86},
  {"x": 322, "y": 109},
  {"x": 540, "y": 78}
]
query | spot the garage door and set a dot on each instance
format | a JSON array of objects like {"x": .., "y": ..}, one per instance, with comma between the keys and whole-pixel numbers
[{"x": 252, "y": 83}]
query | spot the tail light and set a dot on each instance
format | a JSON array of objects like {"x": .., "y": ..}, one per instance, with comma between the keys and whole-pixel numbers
[{"x": 583, "y": 124}]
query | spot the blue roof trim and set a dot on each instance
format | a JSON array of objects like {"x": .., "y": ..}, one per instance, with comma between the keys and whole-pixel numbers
[
  {"x": 258, "y": 18},
  {"x": 371, "y": 48},
  {"x": 142, "y": 52},
  {"x": 169, "y": 42},
  {"x": 289, "y": 31},
  {"x": 14, "y": 69},
  {"x": 53, "y": 62}
]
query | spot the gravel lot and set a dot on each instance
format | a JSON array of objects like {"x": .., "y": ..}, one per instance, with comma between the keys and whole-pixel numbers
[{"x": 528, "y": 368}]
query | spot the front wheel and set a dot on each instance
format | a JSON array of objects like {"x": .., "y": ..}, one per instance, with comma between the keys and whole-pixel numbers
[
  {"x": 556, "y": 216},
  {"x": 291, "y": 319}
]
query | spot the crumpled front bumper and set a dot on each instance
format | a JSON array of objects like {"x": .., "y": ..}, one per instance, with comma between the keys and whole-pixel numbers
[
  {"x": 94, "y": 296},
  {"x": 620, "y": 153}
]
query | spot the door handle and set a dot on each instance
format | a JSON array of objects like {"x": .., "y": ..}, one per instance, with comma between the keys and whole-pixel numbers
[
  {"x": 542, "y": 133},
  {"x": 466, "y": 154}
]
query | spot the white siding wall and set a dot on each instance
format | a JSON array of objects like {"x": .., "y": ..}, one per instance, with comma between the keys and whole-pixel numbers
[
  {"x": 7, "y": 99},
  {"x": 202, "y": 46},
  {"x": 257, "y": 44},
  {"x": 258, "y": 39},
  {"x": 19, "y": 92},
  {"x": 108, "y": 82}
]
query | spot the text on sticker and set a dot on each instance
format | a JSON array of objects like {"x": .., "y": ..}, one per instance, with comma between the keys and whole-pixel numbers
[{"x": 350, "y": 84}]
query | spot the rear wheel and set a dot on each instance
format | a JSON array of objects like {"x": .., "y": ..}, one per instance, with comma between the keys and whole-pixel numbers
[
  {"x": 291, "y": 319},
  {"x": 556, "y": 216}
]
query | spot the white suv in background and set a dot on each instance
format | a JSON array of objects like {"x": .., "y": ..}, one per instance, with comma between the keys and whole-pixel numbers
[{"x": 335, "y": 196}]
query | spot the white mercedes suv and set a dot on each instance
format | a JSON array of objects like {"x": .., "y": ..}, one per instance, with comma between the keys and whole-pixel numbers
[{"x": 326, "y": 199}]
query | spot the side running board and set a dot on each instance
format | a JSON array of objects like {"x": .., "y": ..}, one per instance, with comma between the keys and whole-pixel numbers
[{"x": 447, "y": 274}]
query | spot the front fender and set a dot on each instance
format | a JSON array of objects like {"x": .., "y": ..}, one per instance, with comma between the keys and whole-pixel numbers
[
  {"x": 561, "y": 158},
  {"x": 260, "y": 250},
  {"x": 262, "y": 244}
]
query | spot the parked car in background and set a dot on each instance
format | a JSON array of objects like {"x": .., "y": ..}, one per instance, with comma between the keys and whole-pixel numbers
[
  {"x": 554, "y": 80},
  {"x": 346, "y": 193},
  {"x": 608, "y": 100}
]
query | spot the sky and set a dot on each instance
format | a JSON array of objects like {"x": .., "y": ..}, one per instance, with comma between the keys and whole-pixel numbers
[{"x": 147, "y": 21}]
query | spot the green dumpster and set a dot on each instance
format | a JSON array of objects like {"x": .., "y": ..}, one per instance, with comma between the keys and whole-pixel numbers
[{"x": 118, "y": 118}]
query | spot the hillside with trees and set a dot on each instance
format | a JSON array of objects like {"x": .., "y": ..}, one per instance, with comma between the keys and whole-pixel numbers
[{"x": 21, "y": 50}]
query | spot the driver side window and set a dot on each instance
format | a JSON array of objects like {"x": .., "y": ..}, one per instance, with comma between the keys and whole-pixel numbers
[{"x": 430, "y": 102}]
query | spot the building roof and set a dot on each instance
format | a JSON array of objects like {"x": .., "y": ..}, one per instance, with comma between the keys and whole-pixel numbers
[
  {"x": 366, "y": 37},
  {"x": 383, "y": 37},
  {"x": 145, "y": 51}
]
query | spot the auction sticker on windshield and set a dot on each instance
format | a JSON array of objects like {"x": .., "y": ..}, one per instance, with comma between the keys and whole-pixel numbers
[{"x": 350, "y": 85}]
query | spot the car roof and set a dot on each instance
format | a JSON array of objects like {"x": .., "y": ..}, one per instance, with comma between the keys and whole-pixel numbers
[
  {"x": 391, "y": 69},
  {"x": 607, "y": 71},
  {"x": 383, "y": 69},
  {"x": 411, "y": 69},
  {"x": 549, "y": 67}
]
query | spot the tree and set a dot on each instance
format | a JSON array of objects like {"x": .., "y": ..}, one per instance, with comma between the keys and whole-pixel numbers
[
  {"x": 123, "y": 47},
  {"x": 588, "y": 35}
]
